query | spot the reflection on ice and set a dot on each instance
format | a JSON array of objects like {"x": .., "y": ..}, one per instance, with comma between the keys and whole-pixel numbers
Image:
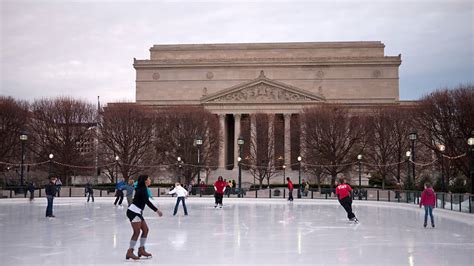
[{"x": 244, "y": 232}]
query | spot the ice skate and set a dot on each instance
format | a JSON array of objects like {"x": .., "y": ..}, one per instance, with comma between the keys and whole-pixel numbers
[
  {"x": 130, "y": 255},
  {"x": 424, "y": 225},
  {"x": 142, "y": 252},
  {"x": 432, "y": 225},
  {"x": 220, "y": 206}
]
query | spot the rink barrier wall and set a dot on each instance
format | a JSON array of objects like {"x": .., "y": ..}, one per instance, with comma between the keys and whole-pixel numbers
[{"x": 449, "y": 201}]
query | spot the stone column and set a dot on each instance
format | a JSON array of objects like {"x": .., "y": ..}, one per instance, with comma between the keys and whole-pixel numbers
[
  {"x": 222, "y": 140},
  {"x": 287, "y": 133},
  {"x": 302, "y": 137},
  {"x": 271, "y": 138},
  {"x": 236, "y": 137},
  {"x": 253, "y": 136}
]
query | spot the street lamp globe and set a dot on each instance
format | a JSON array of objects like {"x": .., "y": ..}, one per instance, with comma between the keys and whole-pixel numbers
[
  {"x": 239, "y": 159},
  {"x": 198, "y": 141},
  {"x": 441, "y": 147},
  {"x": 179, "y": 159},
  {"x": 299, "y": 158},
  {"x": 51, "y": 156},
  {"x": 117, "y": 158},
  {"x": 284, "y": 166},
  {"x": 359, "y": 157},
  {"x": 23, "y": 136},
  {"x": 470, "y": 141},
  {"x": 408, "y": 153},
  {"x": 240, "y": 141}
]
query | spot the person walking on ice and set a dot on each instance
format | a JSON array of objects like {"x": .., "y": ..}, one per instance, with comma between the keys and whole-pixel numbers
[
  {"x": 343, "y": 192},
  {"x": 182, "y": 194},
  {"x": 135, "y": 215},
  {"x": 428, "y": 199},
  {"x": 219, "y": 187}
]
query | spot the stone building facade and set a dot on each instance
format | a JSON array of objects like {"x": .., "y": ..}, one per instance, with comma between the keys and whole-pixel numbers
[{"x": 236, "y": 81}]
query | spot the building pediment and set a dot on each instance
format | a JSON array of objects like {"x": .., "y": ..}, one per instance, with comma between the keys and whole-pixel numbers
[{"x": 262, "y": 90}]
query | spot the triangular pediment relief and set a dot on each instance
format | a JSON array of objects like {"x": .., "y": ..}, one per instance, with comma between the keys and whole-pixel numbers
[{"x": 262, "y": 90}]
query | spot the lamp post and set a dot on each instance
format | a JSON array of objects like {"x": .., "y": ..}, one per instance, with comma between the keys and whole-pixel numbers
[
  {"x": 198, "y": 143},
  {"x": 116, "y": 168},
  {"x": 441, "y": 149},
  {"x": 470, "y": 142},
  {"x": 51, "y": 156},
  {"x": 359, "y": 159},
  {"x": 412, "y": 136},
  {"x": 408, "y": 184},
  {"x": 240, "y": 142},
  {"x": 178, "y": 178},
  {"x": 299, "y": 176},
  {"x": 284, "y": 174},
  {"x": 23, "y": 139}
]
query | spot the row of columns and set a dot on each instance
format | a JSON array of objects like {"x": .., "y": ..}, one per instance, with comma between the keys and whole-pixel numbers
[{"x": 253, "y": 129}]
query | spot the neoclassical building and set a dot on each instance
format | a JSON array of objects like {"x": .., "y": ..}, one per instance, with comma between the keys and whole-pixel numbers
[{"x": 236, "y": 81}]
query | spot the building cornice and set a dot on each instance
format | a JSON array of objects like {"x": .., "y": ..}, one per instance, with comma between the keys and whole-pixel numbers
[
  {"x": 265, "y": 46},
  {"x": 237, "y": 62}
]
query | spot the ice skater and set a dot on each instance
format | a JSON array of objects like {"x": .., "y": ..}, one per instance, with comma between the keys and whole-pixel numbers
[
  {"x": 31, "y": 189},
  {"x": 428, "y": 199},
  {"x": 89, "y": 192},
  {"x": 130, "y": 187},
  {"x": 50, "y": 190},
  {"x": 119, "y": 192},
  {"x": 343, "y": 192},
  {"x": 219, "y": 187},
  {"x": 290, "y": 189},
  {"x": 135, "y": 215},
  {"x": 181, "y": 194}
]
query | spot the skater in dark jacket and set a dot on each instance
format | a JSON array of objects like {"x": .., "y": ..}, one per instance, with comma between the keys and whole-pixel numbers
[
  {"x": 428, "y": 199},
  {"x": 31, "y": 189},
  {"x": 135, "y": 215},
  {"x": 343, "y": 192},
  {"x": 89, "y": 192},
  {"x": 50, "y": 190}
]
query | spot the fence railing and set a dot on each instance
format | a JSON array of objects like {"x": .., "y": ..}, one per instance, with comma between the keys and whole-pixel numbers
[{"x": 450, "y": 201}]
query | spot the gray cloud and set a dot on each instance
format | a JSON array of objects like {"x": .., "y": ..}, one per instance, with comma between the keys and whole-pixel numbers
[{"x": 85, "y": 48}]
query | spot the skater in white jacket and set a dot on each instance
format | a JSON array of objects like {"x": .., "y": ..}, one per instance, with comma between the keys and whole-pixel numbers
[{"x": 182, "y": 195}]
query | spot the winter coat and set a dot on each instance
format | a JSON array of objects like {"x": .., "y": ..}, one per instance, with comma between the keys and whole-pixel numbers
[{"x": 428, "y": 197}]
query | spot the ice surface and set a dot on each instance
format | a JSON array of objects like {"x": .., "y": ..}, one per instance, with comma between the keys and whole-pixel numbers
[{"x": 244, "y": 232}]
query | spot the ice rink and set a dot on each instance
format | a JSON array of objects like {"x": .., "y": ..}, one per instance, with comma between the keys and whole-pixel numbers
[{"x": 244, "y": 232}]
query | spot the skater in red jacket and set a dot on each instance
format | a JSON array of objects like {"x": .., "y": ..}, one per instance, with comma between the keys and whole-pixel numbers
[
  {"x": 290, "y": 189},
  {"x": 219, "y": 187},
  {"x": 343, "y": 192},
  {"x": 428, "y": 199}
]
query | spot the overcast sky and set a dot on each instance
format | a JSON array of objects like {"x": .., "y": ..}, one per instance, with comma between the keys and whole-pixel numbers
[{"x": 86, "y": 48}]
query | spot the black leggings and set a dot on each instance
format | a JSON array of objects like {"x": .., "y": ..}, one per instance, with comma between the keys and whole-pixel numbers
[
  {"x": 347, "y": 205},
  {"x": 218, "y": 198}
]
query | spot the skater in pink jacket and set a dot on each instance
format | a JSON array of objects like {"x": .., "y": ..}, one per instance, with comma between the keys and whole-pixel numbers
[{"x": 428, "y": 199}]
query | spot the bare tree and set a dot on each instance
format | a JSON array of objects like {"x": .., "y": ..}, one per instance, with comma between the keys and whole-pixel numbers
[
  {"x": 13, "y": 120},
  {"x": 384, "y": 154},
  {"x": 127, "y": 132},
  {"x": 333, "y": 138},
  {"x": 176, "y": 130},
  {"x": 60, "y": 126},
  {"x": 447, "y": 117},
  {"x": 262, "y": 149}
]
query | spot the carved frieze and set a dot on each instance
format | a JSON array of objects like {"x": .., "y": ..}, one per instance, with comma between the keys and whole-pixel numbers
[{"x": 262, "y": 92}]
